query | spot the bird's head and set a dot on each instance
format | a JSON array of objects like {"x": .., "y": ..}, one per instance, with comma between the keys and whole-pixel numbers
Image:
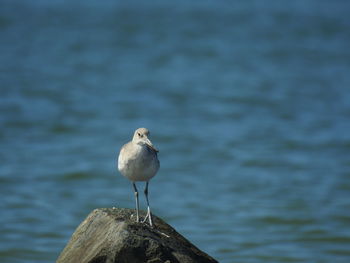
[{"x": 141, "y": 137}]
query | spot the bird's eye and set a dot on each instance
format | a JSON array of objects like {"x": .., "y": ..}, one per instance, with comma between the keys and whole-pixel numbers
[{"x": 140, "y": 135}]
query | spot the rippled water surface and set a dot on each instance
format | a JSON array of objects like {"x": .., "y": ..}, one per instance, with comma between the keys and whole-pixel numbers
[{"x": 248, "y": 102}]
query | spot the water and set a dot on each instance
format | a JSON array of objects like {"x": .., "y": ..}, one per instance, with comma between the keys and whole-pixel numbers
[{"x": 248, "y": 102}]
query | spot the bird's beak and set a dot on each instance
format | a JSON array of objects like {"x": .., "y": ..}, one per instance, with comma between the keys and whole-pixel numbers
[{"x": 150, "y": 144}]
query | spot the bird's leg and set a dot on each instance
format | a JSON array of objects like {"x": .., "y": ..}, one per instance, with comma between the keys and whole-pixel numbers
[
  {"x": 149, "y": 215},
  {"x": 137, "y": 202}
]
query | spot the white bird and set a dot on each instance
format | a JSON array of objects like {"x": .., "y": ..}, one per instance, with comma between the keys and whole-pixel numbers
[{"x": 138, "y": 161}]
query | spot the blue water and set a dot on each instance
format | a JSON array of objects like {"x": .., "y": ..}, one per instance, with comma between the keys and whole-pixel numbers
[{"x": 247, "y": 101}]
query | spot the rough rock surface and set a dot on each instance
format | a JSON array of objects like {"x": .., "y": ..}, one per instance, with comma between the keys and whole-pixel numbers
[{"x": 112, "y": 235}]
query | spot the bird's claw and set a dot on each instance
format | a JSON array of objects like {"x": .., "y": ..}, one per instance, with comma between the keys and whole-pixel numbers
[{"x": 149, "y": 217}]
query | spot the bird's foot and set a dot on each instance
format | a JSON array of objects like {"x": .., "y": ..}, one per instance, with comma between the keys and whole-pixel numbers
[
  {"x": 149, "y": 218},
  {"x": 137, "y": 218}
]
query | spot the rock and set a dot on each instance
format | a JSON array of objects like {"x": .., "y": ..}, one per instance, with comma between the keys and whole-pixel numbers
[{"x": 111, "y": 235}]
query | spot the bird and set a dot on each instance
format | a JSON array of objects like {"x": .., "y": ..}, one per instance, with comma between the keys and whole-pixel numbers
[{"x": 138, "y": 162}]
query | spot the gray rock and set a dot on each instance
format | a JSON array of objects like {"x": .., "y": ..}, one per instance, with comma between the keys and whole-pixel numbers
[{"x": 111, "y": 235}]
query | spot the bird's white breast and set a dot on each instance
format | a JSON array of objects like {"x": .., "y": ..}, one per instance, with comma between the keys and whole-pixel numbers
[{"x": 137, "y": 162}]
